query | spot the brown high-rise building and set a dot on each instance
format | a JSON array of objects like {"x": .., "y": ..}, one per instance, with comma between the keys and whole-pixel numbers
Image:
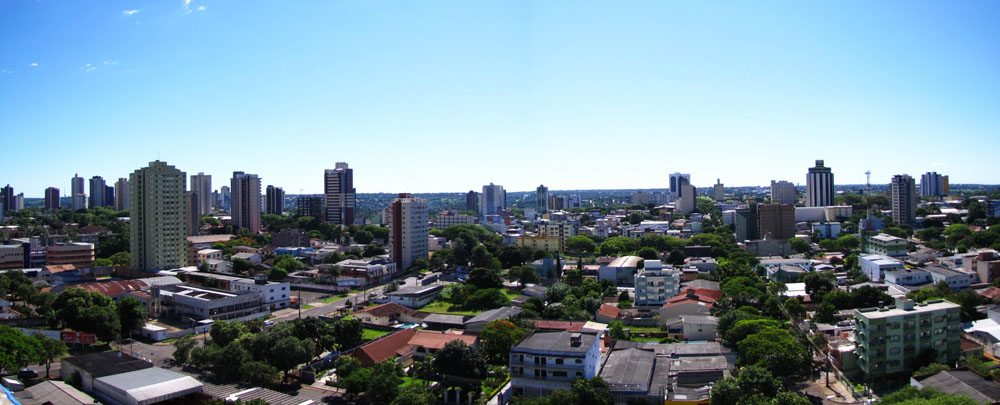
[{"x": 776, "y": 221}]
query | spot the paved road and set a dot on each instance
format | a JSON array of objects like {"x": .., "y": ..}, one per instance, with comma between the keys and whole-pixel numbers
[{"x": 323, "y": 309}]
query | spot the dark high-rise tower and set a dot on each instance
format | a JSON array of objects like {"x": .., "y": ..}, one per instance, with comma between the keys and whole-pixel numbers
[
  {"x": 339, "y": 194},
  {"x": 274, "y": 203}
]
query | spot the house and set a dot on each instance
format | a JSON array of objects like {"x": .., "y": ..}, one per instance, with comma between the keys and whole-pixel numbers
[
  {"x": 703, "y": 264},
  {"x": 388, "y": 314},
  {"x": 205, "y": 254},
  {"x": 253, "y": 258},
  {"x": 415, "y": 297},
  {"x": 955, "y": 278},
  {"x": 535, "y": 290},
  {"x": 430, "y": 342},
  {"x": 570, "y": 326},
  {"x": 476, "y": 324},
  {"x": 606, "y": 313},
  {"x": 6, "y": 310},
  {"x": 699, "y": 327},
  {"x": 386, "y": 348},
  {"x": 546, "y": 361},
  {"x": 444, "y": 321},
  {"x": 702, "y": 285},
  {"x": 634, "y": 373},
  {"x": 692, "y": 302},
  {"x": 886, "y": 245},
  {"x": 654, "y": 283},
  {"x": 991, "y": 295}
]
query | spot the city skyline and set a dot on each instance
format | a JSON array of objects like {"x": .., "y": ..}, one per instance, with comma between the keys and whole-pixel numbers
[{"x": 204, "y": 86}]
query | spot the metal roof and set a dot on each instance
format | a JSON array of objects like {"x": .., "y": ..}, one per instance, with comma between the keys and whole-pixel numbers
[{"x": 152, "y": 384}]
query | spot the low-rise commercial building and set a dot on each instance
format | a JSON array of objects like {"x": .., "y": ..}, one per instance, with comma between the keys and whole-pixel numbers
[
  {"x": 415, "y": 297},
  {"x": 875, "y": 266},
  {"x": 365, "y": 272},
  {"x": 621, "y": 270},
  {"x": 955, "y": 278},
  {"x": 188, "y": 303},
  {"x": 11, "y": 256},
  {"x": 75, "y": 253}
]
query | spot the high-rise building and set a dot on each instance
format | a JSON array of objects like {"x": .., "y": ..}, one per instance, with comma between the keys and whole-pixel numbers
[
  {"x": 493, "y": 200},
  {"x": 309, "y": 206},
  {"x": 121, "y": 194},
  {"x": 96, "y": 192},
  {"x": 746, "y": 223},
  {"x": 472, "y": 201},
  {"x": 719, "y": 191},
  {"x": 945, "y": 188},
  {"x": 542, "y": 199},
  {"x": 76, "y": 185},
  {"x": 275, "y": 200},
  {"x": 930, "y": 184},
  {"x": 685, "y": 203},
  {"x": 407, "y": 219},
  {"x": 339, "y": 194},
  {"x": 776, "y": 221},
  {"x": 78, "y": 202},
  {"x": 573, "y": 201},
  {"x": 557, "y": 202},
  {"x": 158, "y": 212},
  {"x": 225, "y": 198},
  {"x": 51, "y": 199},
  {"x": 783, "y": 192},
  {"x": 7, "y": 198},
  {"x": 676, "y": 181},
  {"x": 819, "y": 186},
  {"x": 903, "y": 193},
  {"x": 193, "y": 212},
  {"x": 201, "y": 183},
  {"x": 245, "y": 212},
  {"x": 18, "y": 202},
  {"x": 109, "y": 196}
]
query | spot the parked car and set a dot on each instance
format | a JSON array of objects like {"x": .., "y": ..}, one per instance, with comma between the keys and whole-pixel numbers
[{"x": 26, "y": 374}]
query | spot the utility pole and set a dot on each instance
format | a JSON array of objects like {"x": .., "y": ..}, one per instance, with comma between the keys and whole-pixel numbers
[{"x": 300, "y": 303}]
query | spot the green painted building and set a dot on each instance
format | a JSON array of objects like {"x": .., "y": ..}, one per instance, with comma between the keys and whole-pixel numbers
[{"x": 889, "y": 339}]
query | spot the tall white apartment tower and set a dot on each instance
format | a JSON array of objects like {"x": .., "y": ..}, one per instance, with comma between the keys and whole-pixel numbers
[
  {"x": 819, "y": 186},
  {"x": 407, "y": 219},
  {"x": 245, "y": 201},
  {"x": 201, "y": 184},
  {"x": 121, "y": 194}
]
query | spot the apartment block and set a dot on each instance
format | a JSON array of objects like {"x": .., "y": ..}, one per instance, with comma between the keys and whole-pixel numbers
[
  {"x": 654, "y": 283},
  {"x": 890, "y": 339},
  {"x": 547, "y": 361}
]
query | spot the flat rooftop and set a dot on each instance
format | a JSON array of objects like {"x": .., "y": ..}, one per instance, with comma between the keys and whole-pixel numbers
[
  {"x": 874, "y": 313},
  {"x": 629, "y": 370},
  {"x": 555, "y": 342}
]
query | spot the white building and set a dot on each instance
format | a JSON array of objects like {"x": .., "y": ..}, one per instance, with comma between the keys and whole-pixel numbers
[
  {"x": 407, "y": 217},
  {"x": 875, "y": 266},
  {"x": 655, "y": 283},
  {"x": 277, "y": 295},
  {"x": 547, "y": 361}
]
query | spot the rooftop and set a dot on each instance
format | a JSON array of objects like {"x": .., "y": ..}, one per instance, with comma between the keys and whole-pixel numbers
[
  {"x": 445, "y": 319},
  {"x": 967, "y": 383},
  {"x": 495, "y": 314},
  {"x": 107, "y": 363},
  {"x": 209, "y": 239},
  {"x": 555, "y": 342},
  {"x": 387, "y": 309},
  {"x": 437, "y": 340},
  {"x": 629, "y": 370},
  {"x": 884, "y": 237},
  {"x": 418, "y": 290},
  {"x": 53, "y": 392},
  {"x": 609, "y": 311},
  {"x": 944, "y": 271},
  {"x": 933, "y": 305},
  {"x": 625, "y": 261},
  {"x": 152, "y": 384}
]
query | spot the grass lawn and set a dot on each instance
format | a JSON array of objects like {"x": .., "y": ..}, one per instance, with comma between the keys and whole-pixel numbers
[
  {"x": 332, "y": 299},
  {"x": 411, "y": 380},
  {"x": 644, "y": 339},
  {"x": 307, "y": 306},
  {"x": 643, "y": 329},
  {"x": 511, "y": 293},
  {"x": 369, "y": 334},
  {"x": 441, "y": 307}
]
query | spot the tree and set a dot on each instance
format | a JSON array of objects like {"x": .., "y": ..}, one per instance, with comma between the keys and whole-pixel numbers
[
  {"x": 581, "y": 244},
  {"x": 484, "y": 278},
  {"x": 356, "y": 382},
  {"x": 289, "y": 352},
  {"x": 242, "y": 266},
  {"x": 347, "y": 333},
  {"x": 414, "y": 394},
  {"x": 929, "y": 369},
  {"x": 556, "y": 292},
  {"x": 102, "y": 262},
  {"x": 346, "y": 365},
  {"x": 131, "y": 314},
  {"x": 225, "y": 332},
  {"x": 511, "y": 256},
  {"x": 648, "y": 253},
  {"x": 49, "y": 349},
  {"x": 795, "y": 308},
  {"x": 776, "y": 350},
  {"x": 826, "y": 313},
  {"x": 85, "y": 311},
  {"x": 17, "y": 350},
  {"x": 487, "y": 299},
  {"x": 384, "y": 384},
  {"x": 799, "y": 245},
  {"x": 182, "y": 349},
  {"x": 373, "y": 250},
  {"x": 523, "y": 275},
  {"x": 911, "y": 395},
  {"x": 594, "y": 391},
  {"x": 121, "y": 259},
  {"x": 497, "y": 338},
  {"x": 458, "y": 359},
  {"x": 617, "y": 330},
  {"x": 744, "y": 328},
  {"x": 481, "y": 258},
  {"x": 363, "y": 237},
  {"x": 751, "y": 381},
  {"x": 258, "y": 373}
]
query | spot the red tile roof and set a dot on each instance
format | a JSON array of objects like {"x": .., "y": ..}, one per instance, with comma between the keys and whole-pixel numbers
[
  {"x": 385, "y": 348},
  {"x": 110, "y": 288},
  {"x": 569, "y": 326},
  {"x": 388, "y": 309},
  {"x": 990, "y": 293},
  {"x": 437, "y": 340},
  {"x": 688, "y": 301},
  {"x": 59, "y": 268},
  {"x": 609, "y": 311},
  {"x": 698, "y": 295}
]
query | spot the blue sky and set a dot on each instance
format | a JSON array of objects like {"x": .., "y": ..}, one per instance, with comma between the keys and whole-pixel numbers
[{"x": 424, "y": 96}]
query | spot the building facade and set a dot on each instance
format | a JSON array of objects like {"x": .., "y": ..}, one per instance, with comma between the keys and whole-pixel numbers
[
  {"x": 542, "y": 199},
  {"x": 201, "y": 183},
  {"x": 472, "y": 201},
  {"x": 783, "y": 192},
  {"x": 654, "y": 284},
  {"x": 719, "y": 191},
  {"x": 776, "y": 221},
  {"x": 309, "y": 206},
  {"x": 97, "y": 185},
  {"x": 547, "y": 361},
  {"x": 275, "y": 200},
  {"x": 157, "y": 211},
  {"x": 445, "y": 219},
  {"x": 51, "y": 199},
  {"x": 886, "y": 245},
  {"x": 889, "y": 340},
  {"x": 819, "y": 186},
  {"x": 339, "y": 195},
  {"x": 931, "y": 184},
  {"x": 676, "y": 181},
  {"x": 407, "y": 219},
  {"x": 246, "y": 205},
  {"x": 121, "y": 194},
  {"x": 493, "y": 200},
  {"x": 903, "y": 193}
]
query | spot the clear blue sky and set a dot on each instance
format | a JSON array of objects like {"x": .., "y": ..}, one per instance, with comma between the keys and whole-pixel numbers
[{"x": 425, "y": 96}]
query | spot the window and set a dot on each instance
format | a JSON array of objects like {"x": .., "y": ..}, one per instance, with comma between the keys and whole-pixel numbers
[
  {"x": 894, "y": 338},
  {"x": 558, "y": 373},
  {"x": 893, "y": 325},
  {"x": 894, "y": 350},
  {"x": 578, "y": 361},
  {"x": 559, "y": 361}
]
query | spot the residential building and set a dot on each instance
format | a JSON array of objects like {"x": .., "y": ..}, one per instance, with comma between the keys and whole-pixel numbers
[
  {"x": 686, "y": 200},
  {"x": 472, "y": 201},
  {"x": 654, "y": 283},
  {"x": 201, "y": 183},
  {"x": 290, "y": 237},
  {"x": 275, "y": 295},
  {"x": 6, "y": 199},
  {"x": 387, "y": 314},
  {"x": 889, "y": 340},
  {"x": 719, "y": 191},
  {"x": 246, "y": 205},
  {"x": 885, "y": 244},
  {"x": 837, "y": 213},
  {"x": 542, "y": 199},
  {"x": 407, "y": 218},
  {"x": 986, "y": 264},
  {"x": 78, "y": 254},
  {"x": 907, "y": 277},
  {"x": 776, "y": 221},
  {"x": 827, "y": 230},
  {"x": 930, "y": 184},
  {"x": 275, "y": 200},
  {"x": 225, "y": 198},
  {"x": 493, "y": 200},
  {"x": 693, "y": 327},
  {"x": 121, "y": 194},
  {"x": 78, "y": 202},
  {"x": 783, "y": 192},
  {"x": 476, "y": 324},
  {"x": 876, "y": 265},
  {"x": 97, "y": 185},
  {"x": 339, "y": 195},
  {"x": 309, "y": 206},
  {"x": 425, "y": 342},
  {"x": 209, "y": 254},
  {"x": 746, "y": 223},
  {"x": 446, "y": 218},
  {"x": 621, "y": 270},
  {"x": 186, "y": 302},
  {"x": 676, "y": 181},
  {"x": 903, "y": 194},
  {"x": 546, "y": 361},
  {"x": 51, "y": 199},
  {"x": 819, "y": 186},
  {"x": 109, "y": 196},
  {"x": 158, "y": 212},
  {"x": 193, "y": 223},
  {"x": 945, "y": 188},
  {"x": 386, "y": 348},
  {"x": 415, "y": 297}
]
